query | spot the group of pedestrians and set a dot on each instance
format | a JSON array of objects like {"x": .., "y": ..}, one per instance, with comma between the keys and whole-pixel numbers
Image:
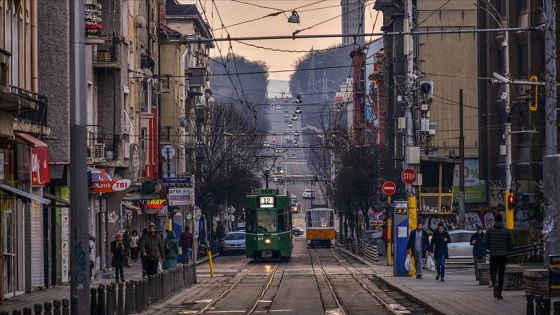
[
  {"x": 498, "y": 241},
  {"x": 155, "y": 252}
]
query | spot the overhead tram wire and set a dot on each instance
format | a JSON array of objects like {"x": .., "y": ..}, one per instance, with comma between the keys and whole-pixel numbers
[
  {"x": 230, "y": 50},
  {"x": 221, "y": 54}
]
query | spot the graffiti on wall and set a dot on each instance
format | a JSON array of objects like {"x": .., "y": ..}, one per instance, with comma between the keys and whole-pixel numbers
[{"x": 496, "y": 191}]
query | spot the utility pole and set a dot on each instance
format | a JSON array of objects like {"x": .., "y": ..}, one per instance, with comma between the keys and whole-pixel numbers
[
  {"x": 550, "y": 77},
  {"x": 507, "y": 132},
  {"x": 409, "y": 53},
  {"x": 462, "y": 165},
  {"x": 551, "y": 162},
  {"x": 79, "y": 216}
]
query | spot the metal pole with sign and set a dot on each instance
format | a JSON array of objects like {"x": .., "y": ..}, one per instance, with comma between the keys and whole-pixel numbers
[{"x": 400, "y": 232}]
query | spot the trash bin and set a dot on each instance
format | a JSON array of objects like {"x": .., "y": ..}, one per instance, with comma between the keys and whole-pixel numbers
[
  {"x": 214, "y": 247},
  {"x": 553, "y": 274}
]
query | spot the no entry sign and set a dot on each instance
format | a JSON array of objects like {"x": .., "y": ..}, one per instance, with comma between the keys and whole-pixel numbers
[
  {"x": 389, "y": 188},
  {"x": 408, "y": 176}
]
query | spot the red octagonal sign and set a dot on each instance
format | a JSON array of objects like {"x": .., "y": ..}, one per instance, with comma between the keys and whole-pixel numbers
[
  {"x": 408, "y": 176},
  {"x": 389, "y": 188}
]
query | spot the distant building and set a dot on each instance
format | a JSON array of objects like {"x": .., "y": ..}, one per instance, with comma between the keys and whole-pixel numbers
[{"x": 352, "y": 21}]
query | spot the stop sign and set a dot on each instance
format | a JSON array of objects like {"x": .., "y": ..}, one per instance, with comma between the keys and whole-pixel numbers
[
  {"x": 408, "y": 176},
  {"x": 389, "y": 188}
]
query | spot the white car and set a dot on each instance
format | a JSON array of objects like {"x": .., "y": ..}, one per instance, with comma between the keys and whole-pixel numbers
[
  {"x": 233, "y": 242},
  {"x": 308, "y": 194}
]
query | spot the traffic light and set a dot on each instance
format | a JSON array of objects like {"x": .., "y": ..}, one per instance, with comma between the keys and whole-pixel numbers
[
  {"x": 511, "y": 200},
  {"x": 533, "y": 94}
]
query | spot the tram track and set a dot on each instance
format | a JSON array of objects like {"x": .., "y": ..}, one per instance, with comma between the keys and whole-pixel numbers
[
  {"x": 391, "y": 303},
  {"x": 254, "y": 303}
]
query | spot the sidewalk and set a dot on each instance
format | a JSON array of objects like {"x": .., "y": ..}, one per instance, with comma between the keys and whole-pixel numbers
[
  {"x": 59, "y": 292},
  {"x": 459, "y": 294}
]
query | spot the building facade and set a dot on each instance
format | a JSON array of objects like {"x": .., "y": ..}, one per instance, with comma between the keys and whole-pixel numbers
[{"x": 353, "y": 20}]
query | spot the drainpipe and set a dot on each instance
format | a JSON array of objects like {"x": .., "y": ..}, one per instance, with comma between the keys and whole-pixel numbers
[{"x": 34, "y": 44}]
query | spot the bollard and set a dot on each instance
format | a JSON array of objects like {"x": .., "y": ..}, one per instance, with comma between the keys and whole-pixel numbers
[
  {"x": 16, "y": 312},
  {"x": 538, "y": 304},
  {"x": 27, "y": 311},
  {"x": 114, "y": 309},
  {"x": 110, "y": 303},
  {"x": 65, "y": 307},
  {"x": 193, "y": 273},
  {"x": 530, "y": 309},
  {"x": 38, "y": 309},
  {"x": 93, "y": 304},
  {"x": 74, "y": 305},
  {"x": 48, "y": 308},
  {"x": 149, "y": 292},
  {"x": 129, "y": 297},
  {"x": 100, "y": 300},
  {"x": 57, "y": 307},
  {"x": 556, "y": 307},
  {"x": 120, "y": 307},
  {"x": 139, "y": 294},
  {"x": 546, "y": 305}
]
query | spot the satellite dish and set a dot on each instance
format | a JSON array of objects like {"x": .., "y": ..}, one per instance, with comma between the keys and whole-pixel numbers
[{"x": 140, "y": 21}]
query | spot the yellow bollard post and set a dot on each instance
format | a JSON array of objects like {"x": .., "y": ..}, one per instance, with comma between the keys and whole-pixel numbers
[
  {"x": 209, "y": 253},
  {"x": 170, "y": 224},
  {"x": 412, "y": 222}
]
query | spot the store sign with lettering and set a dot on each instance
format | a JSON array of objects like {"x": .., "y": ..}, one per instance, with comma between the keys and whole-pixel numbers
[{"x": 111, "y": 186}]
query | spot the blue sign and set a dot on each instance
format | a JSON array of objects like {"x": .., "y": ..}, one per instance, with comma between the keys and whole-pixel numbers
[{"x": 177, "y": 180}]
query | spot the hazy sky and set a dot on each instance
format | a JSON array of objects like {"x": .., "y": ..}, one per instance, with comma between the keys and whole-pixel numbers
[{"x": 248, "y": 14}]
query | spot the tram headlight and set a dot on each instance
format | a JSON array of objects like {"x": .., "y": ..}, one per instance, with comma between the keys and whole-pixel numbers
[{"x": 267, "y": 240}]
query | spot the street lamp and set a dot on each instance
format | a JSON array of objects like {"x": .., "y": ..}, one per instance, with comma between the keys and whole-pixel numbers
[{"x": 506, "y": 98}]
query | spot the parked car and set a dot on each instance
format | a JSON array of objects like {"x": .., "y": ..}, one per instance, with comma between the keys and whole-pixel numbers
[
  {"x": 296, "y": 134},
  {"x": 233, "y": 242},
  {"x": 460, "y": 248},
  {"x": 298, "y": 110},
  {"x": 308, "y": 194},
  {"x": 278, "y": 107},
  {"x": 297, "y": 231}
]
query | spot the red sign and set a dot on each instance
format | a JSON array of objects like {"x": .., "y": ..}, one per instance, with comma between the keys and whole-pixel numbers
[
  {"x": 408, "y": 176},
  {"x": 39, "y": 167},
  {"x": 389, "y": 188},
  {"x": 110, "y": 186}
]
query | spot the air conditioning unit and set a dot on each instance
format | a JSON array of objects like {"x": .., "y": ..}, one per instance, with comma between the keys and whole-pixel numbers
[{"x": 98, "y": 151}]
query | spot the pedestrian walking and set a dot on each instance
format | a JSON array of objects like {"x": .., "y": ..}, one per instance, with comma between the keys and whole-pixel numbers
[
  {"x": 171, "y": 247},
  {"x": 438, "y": 247},
  {"x": 126, "y": 241},
  {"x": 499, "y": 241},
  {"x": 91, "y": 244},
  {"x": 142, "y": 258},
  {"x": 479, "y": 250},
  {"x": 134, "y": 238},
  {"x": 118, "y": 249},
  {"x": 186, "y": 242},
  {"x": 152, "y": 250},
  {"x": 418, "y": 243}
]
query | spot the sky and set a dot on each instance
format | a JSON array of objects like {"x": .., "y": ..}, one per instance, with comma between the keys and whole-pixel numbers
[{"x": 247, "y": 18}]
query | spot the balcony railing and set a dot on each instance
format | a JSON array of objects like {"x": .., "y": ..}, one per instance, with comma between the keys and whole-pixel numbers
[
  {"x": 39, "y": 116},
  {"x": 108, "y": 54}
]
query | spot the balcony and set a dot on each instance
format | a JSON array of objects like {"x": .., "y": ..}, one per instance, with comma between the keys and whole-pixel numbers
[
  {"x": 200, "y": 75},
  {"x": 107, "y": 55},
  {"x": 17, "y": 100}
]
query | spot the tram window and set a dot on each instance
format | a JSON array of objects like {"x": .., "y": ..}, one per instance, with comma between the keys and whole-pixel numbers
[
  {"x": 280, "y": 221},
  {"x": 266, "y": 221},
  {"x": 250, "y": 220}
]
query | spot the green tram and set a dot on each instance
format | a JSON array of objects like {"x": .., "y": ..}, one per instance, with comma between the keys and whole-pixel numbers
[{"x": 268, "y": 225}]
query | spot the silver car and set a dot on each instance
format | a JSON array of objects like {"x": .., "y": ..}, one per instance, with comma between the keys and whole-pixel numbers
[
  {"x": 233, "y": 242},
  {"x": 460, "y": 248}
]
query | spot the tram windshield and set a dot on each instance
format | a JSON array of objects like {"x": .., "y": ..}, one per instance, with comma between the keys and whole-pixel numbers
[
  {"x": 266, "y": 221},
  {"x": 320, "y": 218}
]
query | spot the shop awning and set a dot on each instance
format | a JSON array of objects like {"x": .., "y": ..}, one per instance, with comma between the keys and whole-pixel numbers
[
  {"x": 23, "y": 195},
  {"x": 63, "y": 201},
  {"x": 39, "y": 159}
]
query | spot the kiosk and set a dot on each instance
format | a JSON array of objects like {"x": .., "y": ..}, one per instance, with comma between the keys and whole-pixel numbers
[{"x": 400, "y": 232}]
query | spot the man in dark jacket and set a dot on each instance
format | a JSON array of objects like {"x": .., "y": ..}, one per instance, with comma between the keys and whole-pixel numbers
[
  {"x": 152, "y": 249},
  {"x": 479, "y": 250},
  {"x": 438, "y": 247},
  {"x": 499, "y": 241},
  {"x": 418, "y": 243}
]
